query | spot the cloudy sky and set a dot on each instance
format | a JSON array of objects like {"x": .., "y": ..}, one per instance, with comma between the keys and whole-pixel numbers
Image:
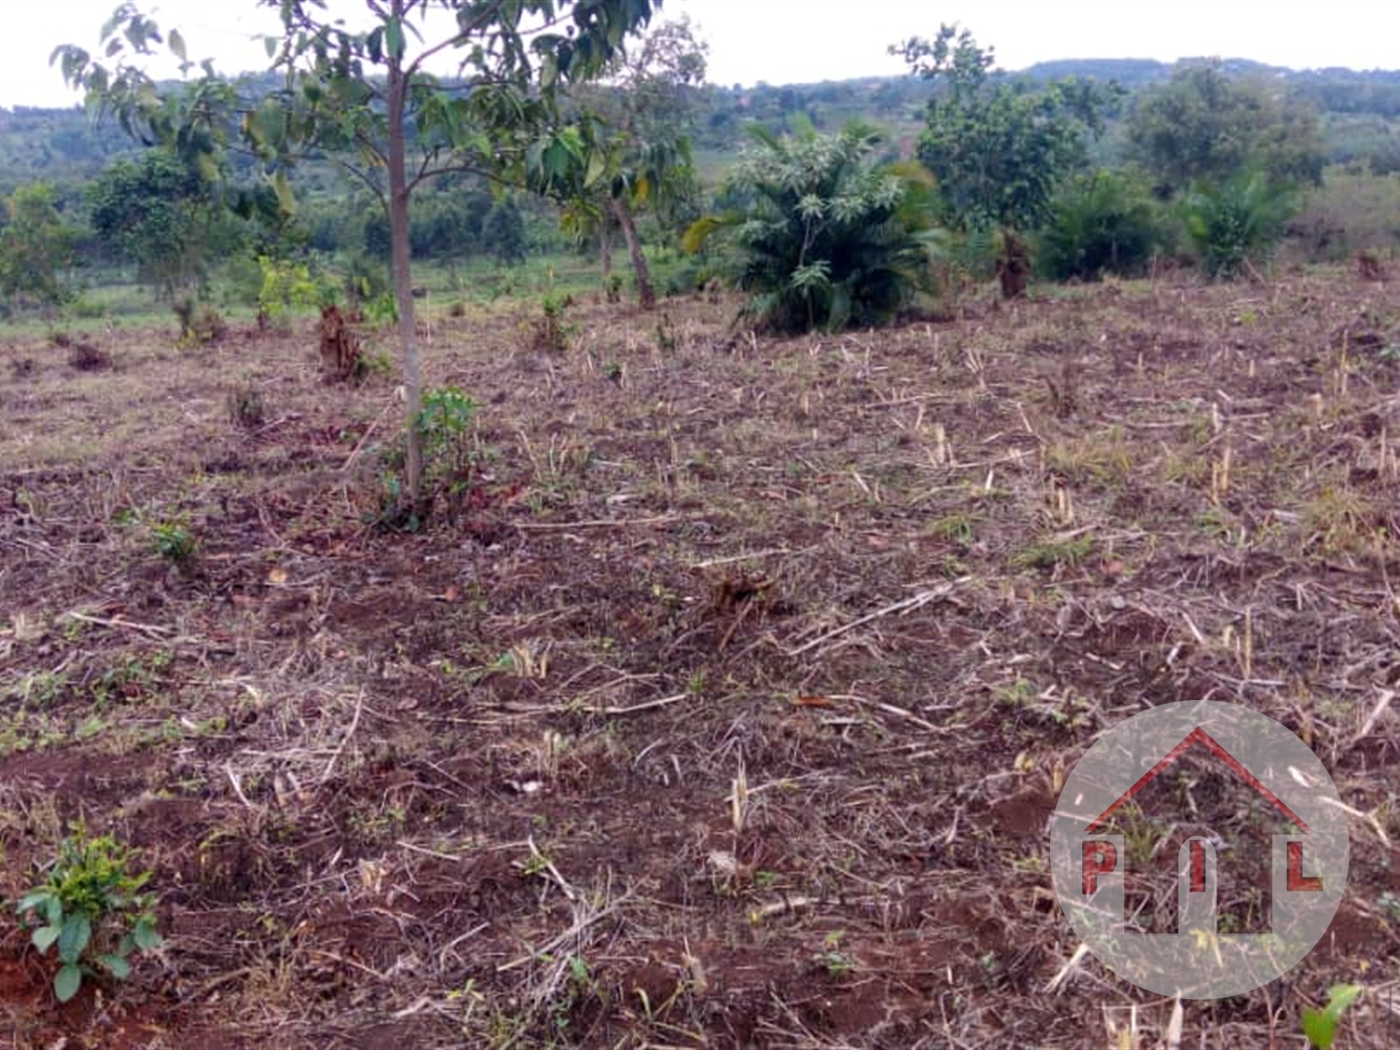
[{"x": 786, "y": 41}]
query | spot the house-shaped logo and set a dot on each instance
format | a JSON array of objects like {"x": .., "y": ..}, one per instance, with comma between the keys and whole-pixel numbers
[
  {"x": 1197, "y": 887},
  {"x": 1306, "y": 863}
]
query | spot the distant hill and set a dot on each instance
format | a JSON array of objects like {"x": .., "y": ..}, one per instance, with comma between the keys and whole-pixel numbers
[{"x": 1358, "y": 107}]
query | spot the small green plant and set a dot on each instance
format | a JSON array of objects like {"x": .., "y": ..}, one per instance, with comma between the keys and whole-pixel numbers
[
  {"x": 200, "y": 323},
  {"x": 287, "y": 286},
  {"x": 1053, "y": 553},
  {"x": 92, "y": 910},
  {"x": 836, "y": 962},
  {"x": 445, "y": 422},
  {"x": 612, "y": 372},
  {"x": 551, "y": 330},
  {"x": 612, "y": 289},
  {"x": 1320, "y": 1026},
  {"x": 174, "y": 542}
]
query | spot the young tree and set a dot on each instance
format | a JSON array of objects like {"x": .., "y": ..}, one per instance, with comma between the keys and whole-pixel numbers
[
  {"x": 162, "y": 214},
  {"x": 998, "y": 149},
  {"x": 1203, "y": 125},
  {"x": 367, "y": 92},
  {"x": 646, "y": 160},
  {"x": 503, "y": 233},
  {"x": 36, "y": 245}
]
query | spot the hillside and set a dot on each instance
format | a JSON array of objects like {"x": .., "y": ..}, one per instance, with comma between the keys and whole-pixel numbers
[{"x": 63, "y": 145}]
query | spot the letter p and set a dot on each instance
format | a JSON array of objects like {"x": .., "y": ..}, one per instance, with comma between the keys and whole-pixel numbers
[{"x": 1100, "y": 858}]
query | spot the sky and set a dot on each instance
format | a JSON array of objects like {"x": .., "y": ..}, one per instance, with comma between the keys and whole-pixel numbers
[{"x": 796, "y": 41}]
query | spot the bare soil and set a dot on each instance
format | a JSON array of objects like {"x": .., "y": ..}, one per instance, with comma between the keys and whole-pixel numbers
[{"x": 725, "y": 700}]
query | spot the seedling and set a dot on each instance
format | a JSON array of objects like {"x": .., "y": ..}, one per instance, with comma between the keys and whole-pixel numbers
[{"x": 91, "y": 909}]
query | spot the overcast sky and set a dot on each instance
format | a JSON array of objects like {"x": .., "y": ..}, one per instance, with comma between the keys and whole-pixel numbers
[{"x": 787, "y": 41}]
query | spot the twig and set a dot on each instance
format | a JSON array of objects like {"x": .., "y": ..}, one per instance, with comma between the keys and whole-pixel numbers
[
  {"x": 920, "y": 599},
  {"x": 354, "y": 724},
  {"x": 573, "y": 931},
  {"x": 237, "y": 787},
  {"x": 597, "y": 523},
  {"x": 359, "y": 446},
  {"x": 891, "y": 709},
  {"x": 117, "y": 621},
  {"x": 1384, "y": 702},
  {"x": 744, "y": 557},
  {"x": 633, "y": 709}
]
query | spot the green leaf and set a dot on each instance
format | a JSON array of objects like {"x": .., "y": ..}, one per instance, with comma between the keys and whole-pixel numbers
[
  {"x": 44, "y": 937},
  {"x": 145, "y": 935},
  {"x": 597, "y": 165},
  {"x": 1320, "y": 1026},
  {"x": 74, "y": 937},
  {"x": 67, "y": 982},
  {"x": 271, "y": 44},
  {"x": 393, "y": 37},
  {"x": 176, "y": 43},
  {"x": 32, "y": 900},
  {"x": 116, "y": 966}
]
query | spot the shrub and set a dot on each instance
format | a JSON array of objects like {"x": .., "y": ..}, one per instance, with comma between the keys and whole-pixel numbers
[
  {"x": 1101, "y": 223},
  {"x": 90, "y": 907},
  {"x": 829, "y": 239},
  {"x": 246, "y": 406},
  {"x": 1236, "y": 222}
]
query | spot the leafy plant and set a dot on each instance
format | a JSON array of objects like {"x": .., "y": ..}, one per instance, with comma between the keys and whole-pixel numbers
[
  {"x": 829, "y": 238},
  {"x": 550, "y": 330},
  {"x": 246, "y": 406},
  {"x": 1100, "y": 223},
  {"x": 1236, "y": 222},
  {"x": 1320, "y": 1026},
  {"x": 447, "y": 413},
  {"x": 285, "y": 286},
  {"x": 174, "y": 542},
  {"x": 91, "y": 909}
]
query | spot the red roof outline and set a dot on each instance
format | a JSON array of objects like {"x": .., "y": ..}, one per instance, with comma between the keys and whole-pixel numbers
[{"x": 1199, "y": 736}]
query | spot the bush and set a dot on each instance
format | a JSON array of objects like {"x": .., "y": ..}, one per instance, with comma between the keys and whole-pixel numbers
[
  {"x": 1101, "y": 223},
  {"x": 1237, "y": 222},
  {"x": 829, "y": 239}
]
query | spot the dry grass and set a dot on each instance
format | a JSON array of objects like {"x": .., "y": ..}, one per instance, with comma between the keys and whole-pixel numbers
[{"x": 728, "y": 707}]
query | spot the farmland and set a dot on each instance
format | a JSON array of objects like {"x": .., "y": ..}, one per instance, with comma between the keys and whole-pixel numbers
[{"x": 723, "y": 699}]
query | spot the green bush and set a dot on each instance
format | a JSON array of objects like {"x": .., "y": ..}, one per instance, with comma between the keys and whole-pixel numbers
[
  {"x": 1100, "y": 223},
  {"x": 1235, "y": 223},
  {"x": 829, "y": 238}
]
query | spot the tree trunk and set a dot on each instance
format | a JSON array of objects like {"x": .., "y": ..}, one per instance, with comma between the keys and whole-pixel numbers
[
  {"x": 605, "y": 246},
  {"x": 645, "y": 292},
  {"x": 401, "y": 256}
]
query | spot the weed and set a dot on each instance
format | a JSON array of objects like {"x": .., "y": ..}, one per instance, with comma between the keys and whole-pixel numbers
[
  {"x": 612, "y": 372},
  {"x": 200, "y": 323},
  {"x": 133, "y": 677},
  {"x": 955, "y": 528},
  {"x": 612, "y": 289},
  {"x": 1320, "y": 1026},
  {"x": 174, "y": 542},
  {"x": 551, "y": 331},
  {"x": 90, "y": 907},
  {"x": 246, "y": 407},
  {"x": 666, "y": 338},
  {"x": 1054, "y": 553},
  {"x": 836, "y": 962}
]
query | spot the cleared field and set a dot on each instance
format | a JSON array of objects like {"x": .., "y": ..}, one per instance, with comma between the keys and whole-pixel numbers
[{"x": 726, "y": 701}]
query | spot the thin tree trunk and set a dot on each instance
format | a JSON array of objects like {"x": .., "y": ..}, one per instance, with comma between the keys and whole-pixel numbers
[
  {"x": 401, "y": 256},
  {"x": 605, "y": 246},
  {"x": 645, "y": 292}
]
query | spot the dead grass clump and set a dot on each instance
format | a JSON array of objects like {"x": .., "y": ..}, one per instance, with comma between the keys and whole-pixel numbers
[
  {"x": 85, "y": 356},
  {"x": 246, "y": 406},
  {"x": 1368, "y": 266},
  {"x": 340, "y": 346}
]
